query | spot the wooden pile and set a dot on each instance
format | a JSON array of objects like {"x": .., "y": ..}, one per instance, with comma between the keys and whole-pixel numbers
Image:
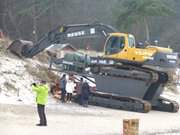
[{"x": 130, "y": 126}]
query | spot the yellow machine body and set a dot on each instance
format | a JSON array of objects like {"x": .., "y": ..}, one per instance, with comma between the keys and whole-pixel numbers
[{"x": 128, "y": 50}]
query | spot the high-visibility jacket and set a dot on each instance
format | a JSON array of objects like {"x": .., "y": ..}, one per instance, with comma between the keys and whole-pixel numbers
[{"x": 41, "y": 93}]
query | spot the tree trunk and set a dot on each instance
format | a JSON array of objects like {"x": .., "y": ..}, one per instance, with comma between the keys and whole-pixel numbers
[
  {"x": 35, "y": 22},
  {"x": 14, "y": 23},
  {"x": 53, "y": 13},
  {"x": 147, "y": 29},
  {"x": 35, "y": 29},
  {"x": 2, "y": 12}
]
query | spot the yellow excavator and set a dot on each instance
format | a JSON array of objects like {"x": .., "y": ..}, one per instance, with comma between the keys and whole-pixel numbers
[{"x": 126, "y": 77}]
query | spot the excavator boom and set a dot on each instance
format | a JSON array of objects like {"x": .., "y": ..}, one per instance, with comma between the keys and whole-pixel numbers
[{"x": 60, "y": 35}]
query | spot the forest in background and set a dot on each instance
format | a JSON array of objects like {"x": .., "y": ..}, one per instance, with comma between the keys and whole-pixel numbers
[{"x": 22, "y": 19}]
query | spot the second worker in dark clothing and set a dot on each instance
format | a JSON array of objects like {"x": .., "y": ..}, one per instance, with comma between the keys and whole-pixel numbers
[
  {"x": 85, "y": 94},
  {"x": 63, "y": 82},
  {"x": 79, "y": 91}
]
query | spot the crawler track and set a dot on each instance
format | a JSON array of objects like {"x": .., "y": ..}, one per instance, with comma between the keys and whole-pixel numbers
[{"x": 120, "y": 102}]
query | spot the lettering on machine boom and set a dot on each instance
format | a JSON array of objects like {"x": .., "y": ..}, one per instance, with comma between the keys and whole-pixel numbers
[{"x": 76, "y": 34}]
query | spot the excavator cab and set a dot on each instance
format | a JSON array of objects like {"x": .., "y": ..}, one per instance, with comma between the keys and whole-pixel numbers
[
  {"x": 122, "y": 46},
  {"x": 114, "y": 45},
  {"x": 118, "y": 42}
]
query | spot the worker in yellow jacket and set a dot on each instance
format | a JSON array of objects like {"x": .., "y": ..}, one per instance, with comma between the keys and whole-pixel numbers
[{"x": 41, "y": 100}]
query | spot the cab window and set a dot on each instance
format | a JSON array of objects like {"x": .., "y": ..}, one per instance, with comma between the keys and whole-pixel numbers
[
  {"x": 114, "y": 45},
  {"x": 131, "y": 40}
]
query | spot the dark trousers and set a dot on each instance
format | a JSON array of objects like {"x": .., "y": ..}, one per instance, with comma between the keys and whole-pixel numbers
[
  {"x": 63, "y": 94},
  {"x": 84, "y": 100},
  {"x": 79, "y": 99},
  {"x": 41, "y": 113},
  {"x": 69, "y": 96}
]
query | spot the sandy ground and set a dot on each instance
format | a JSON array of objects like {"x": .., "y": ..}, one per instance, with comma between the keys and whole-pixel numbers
[{"x": 72, "y": 119}]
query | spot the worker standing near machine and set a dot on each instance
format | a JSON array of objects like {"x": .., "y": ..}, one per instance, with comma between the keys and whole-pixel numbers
[
  {"x": 79, "y": 91},
  {"x": 41, "y": 100},
  {"x": 70, "y": 88},
  {"x": 85, "y": 94},
  {"x": 63, "y": 82}
]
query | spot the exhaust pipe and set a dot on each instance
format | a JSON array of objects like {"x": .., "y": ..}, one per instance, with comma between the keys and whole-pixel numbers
[{"x": 20, "y": 47}]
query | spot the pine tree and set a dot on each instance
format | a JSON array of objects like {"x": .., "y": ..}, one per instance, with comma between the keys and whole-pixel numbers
[{"x": 130, "y": 12}]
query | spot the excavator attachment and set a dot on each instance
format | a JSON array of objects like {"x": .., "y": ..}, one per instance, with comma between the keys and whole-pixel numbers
[{"x": 18, "y": 47}]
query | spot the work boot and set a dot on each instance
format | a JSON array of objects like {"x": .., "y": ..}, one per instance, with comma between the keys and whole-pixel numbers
[{"x": 41, "y": 124}]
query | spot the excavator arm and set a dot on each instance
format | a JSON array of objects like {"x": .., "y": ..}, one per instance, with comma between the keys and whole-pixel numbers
[{"x": 60, "y": 35}]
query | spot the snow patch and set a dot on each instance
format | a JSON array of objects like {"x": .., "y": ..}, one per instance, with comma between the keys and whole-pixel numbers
[{"x": 15, "y": 82}]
